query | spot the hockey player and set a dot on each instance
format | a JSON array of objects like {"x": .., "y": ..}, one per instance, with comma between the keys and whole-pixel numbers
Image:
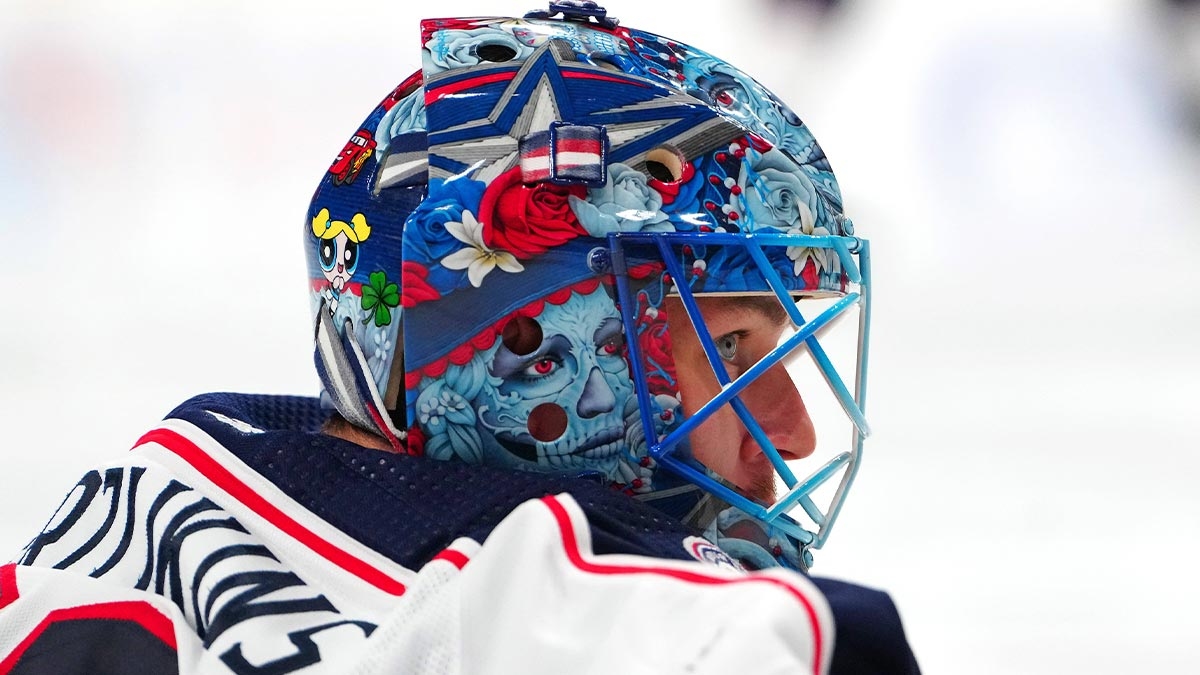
[{"x": 554, "y": 281}]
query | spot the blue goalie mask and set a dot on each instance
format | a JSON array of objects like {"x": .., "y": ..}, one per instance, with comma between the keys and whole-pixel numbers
[{"x": 572, "y": 247}]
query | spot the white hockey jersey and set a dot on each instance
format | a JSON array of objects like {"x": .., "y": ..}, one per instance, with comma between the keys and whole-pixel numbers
[{"x": 220, "y": 546}]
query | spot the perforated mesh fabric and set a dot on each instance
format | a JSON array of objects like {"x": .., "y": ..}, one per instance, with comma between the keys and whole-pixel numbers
[{"x": 410, "y": 508}]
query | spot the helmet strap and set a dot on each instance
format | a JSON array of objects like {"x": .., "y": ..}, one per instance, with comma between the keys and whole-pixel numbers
[{"x": 343, "y": 370}]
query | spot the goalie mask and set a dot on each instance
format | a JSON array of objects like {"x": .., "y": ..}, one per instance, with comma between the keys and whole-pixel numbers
[{"x": 509, "y": 251}]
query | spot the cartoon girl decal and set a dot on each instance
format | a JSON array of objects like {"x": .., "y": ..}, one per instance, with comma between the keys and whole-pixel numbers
[{"x": 337, "y": 250}]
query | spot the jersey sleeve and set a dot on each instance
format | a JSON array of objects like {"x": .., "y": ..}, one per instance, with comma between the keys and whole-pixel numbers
[{"x": 536, "y": 599}]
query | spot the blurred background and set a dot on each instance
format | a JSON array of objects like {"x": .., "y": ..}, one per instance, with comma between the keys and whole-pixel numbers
[{"x": 1027, "y": 173}]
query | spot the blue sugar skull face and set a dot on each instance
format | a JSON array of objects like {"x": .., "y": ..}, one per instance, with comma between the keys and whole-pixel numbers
[
  {"x": 553, "y": 393},
  {"x": 564, "y": 405}
]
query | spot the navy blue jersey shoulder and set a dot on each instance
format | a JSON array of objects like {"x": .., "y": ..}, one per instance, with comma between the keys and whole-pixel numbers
[
  {"x": 409, "y": 509},
  {"x": 870, "y": 636}
]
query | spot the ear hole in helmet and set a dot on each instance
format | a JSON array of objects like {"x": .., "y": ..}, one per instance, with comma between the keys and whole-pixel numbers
[
  {"x": 665, "y": 163},
  {"x": 522, "y": 335},
  {"x": 547, "y": 422},
  {"x": 495, "y": 53}
]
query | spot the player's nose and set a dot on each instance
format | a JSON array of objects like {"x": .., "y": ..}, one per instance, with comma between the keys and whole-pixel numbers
[{"x": 779, "y": 409}]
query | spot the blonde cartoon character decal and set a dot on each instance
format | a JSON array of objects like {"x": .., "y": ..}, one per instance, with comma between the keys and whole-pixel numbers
[{"x": 337, "y": 249}]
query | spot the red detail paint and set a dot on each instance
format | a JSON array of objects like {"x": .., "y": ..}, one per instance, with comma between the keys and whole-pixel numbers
[
  {"x": 437, "y": 368},
  {"x": 137, "y": 611},
  {"x": 485, "y": 340},
  {"x": 224, "y": 479},
  {"x": 644, "y": 270},
  {"x": 408, "y": 86},
  {"x": 382, "y": 427},
  {"x": 587, "y": 75},
  {"x": 571, "y": 548},
  {"x": 352, "y": 287},
  {"x": 733, "y": 215},
  {"x": 758, "y": 142},
  {"x": 438, "y": 93},
  {"x": 460, "y": 355},
  {"x": 528, "y": 220},
  {"x": 415, "y": 443},
  {"x": 413, "y": 285},
  {"x": 736, "y": 189}
]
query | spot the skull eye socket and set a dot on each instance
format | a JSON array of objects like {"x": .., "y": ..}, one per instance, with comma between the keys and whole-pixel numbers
[
  {"x": 522, "y": 335},
  {"x": 547, "y": 422}
]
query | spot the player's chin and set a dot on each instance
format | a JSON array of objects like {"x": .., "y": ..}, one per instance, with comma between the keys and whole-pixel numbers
[
  {"x": 762, "y": 490},
  {"x": 758, "y": 485}
]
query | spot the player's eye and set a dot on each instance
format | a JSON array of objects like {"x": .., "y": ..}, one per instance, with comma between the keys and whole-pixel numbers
[
  {"x": 325, "y": 251},
  {"x": 351, "y": 257},
  {"x": 727, "y": 346}
]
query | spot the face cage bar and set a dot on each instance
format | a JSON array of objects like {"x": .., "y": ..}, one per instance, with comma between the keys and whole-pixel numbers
[{"x": 853, "y": 404}]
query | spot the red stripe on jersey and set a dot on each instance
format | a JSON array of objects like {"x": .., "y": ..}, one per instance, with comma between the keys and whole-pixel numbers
[
  {"x": 456, "y": 558},
  {"x": 571, "y": 546},
  {"x": 8, "y": 585},
  {"x": 142, "y": 613},
  {"x": 224, "y": 479}
]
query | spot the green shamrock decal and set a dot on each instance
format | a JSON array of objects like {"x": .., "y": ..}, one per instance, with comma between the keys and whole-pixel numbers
[{"x": 382, "y": 296}]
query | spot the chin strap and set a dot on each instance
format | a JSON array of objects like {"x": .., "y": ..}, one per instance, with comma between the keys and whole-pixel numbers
[{"x": 344, "y": 372}]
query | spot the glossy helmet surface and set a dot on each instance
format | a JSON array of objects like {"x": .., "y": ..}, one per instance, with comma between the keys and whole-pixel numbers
[{"x": 490, "y": 253}]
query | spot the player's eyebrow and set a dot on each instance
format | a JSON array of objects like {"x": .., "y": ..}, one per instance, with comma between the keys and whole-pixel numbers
[{"x": 765, "y": 306}]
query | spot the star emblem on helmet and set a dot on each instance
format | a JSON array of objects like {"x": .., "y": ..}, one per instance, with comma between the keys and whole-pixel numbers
[{"x": 478, "y": 118}]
